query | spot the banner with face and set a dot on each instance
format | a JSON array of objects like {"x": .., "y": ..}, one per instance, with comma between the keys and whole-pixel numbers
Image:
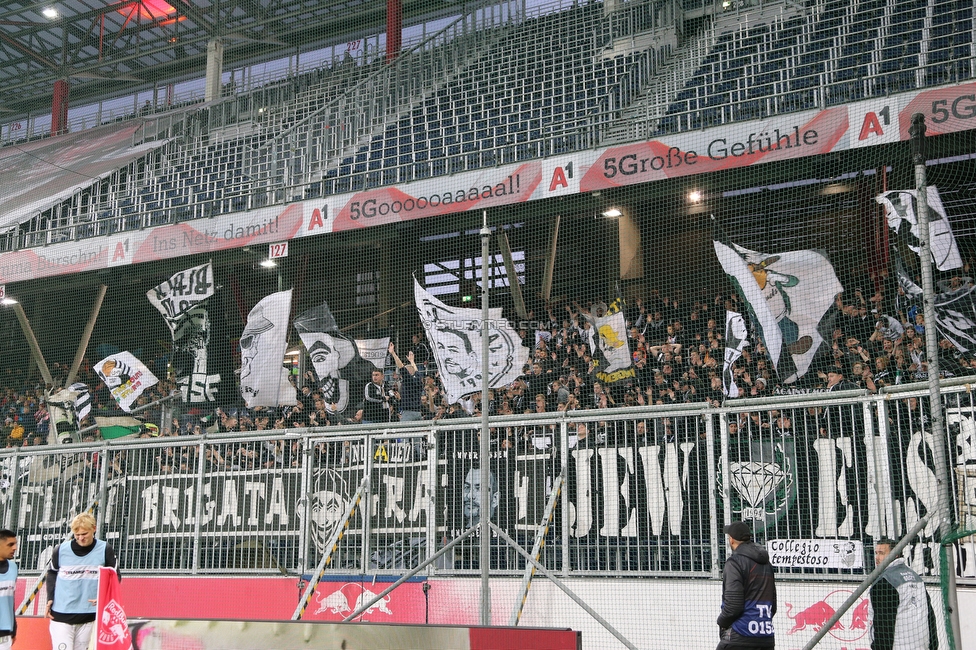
[
  {"x": 341, "y": 371},
  {"x": 264, "y": 380},
  {"x": 455, "y": 337}
]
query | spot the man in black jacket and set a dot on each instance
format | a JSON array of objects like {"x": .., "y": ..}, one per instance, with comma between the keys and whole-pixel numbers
[{"x": 748, "y": 594}]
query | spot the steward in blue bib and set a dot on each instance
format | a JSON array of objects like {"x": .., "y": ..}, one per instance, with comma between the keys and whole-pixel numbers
[
  {"x": 8, "y": 583},
  {"x": 72, "y": 580}
]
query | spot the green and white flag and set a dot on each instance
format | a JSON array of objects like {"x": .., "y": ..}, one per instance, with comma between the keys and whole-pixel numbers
[
  {"x": 787, "y": 295},
  {"x": 117, "y": 426}
]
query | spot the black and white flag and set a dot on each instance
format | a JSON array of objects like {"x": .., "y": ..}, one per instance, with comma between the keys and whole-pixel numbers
[
  {"x": 735, "y": 342},
  {"x": 192, "y": 311},
  {"x": 177, "y": 295},
  {"x": 341, "y": 371},
  {"x": 264, "y": 379},
  {"x": 901, "y": 209},
  {"x": 955, "y": 304},
  {"x": 82, "y": 400},
  {"x": 454, "y": 334}
]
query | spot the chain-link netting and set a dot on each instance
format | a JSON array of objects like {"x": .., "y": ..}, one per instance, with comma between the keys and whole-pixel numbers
[{"x": 243, "y": 315}]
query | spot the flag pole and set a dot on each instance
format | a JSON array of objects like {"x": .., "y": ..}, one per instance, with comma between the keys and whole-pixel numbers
[
  {"x": 485, "y": 471},
  {"x": 936, "y": 419}
]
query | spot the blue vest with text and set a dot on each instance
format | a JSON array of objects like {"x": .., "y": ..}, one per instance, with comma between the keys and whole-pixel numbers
[
  {"x": 8, "y": 583},
  {"x": 756, "y": 619},
  {"x": 78, "y": 579}
]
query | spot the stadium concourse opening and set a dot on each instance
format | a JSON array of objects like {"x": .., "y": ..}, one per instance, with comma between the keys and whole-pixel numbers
[{"x": 726, "y": 276}]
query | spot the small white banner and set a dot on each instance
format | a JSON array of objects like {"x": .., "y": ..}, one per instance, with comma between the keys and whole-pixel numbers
[
  {"x": 374, "y": 350},
  {"x": 816, "y": 553}
]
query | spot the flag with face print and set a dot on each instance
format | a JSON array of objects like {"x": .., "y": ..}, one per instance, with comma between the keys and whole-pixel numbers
[
  {"x": 264, "y": 379},
  {"x": 455, "y": 336}
]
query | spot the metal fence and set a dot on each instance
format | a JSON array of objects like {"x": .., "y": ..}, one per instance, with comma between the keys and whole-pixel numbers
[{"x": 647, "y": 490}]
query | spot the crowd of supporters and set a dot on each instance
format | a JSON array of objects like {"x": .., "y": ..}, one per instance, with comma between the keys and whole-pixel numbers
[{"x": 870, "y": 341}]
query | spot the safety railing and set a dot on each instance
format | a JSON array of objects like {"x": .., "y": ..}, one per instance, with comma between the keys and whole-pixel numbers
[{"x": 646, "y": 490}]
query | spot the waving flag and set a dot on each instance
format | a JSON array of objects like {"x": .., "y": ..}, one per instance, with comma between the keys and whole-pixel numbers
[
  {"x": 341, "y": 371},
  {"x": 126, "y": 377},
  {"x": 192, "y": 311},
  {"x": 788, "y": 295},
  {"x": 112, "y": 425},
  {"x": 111, "y": 625},
  {"x": 374, "y": 350},
  {"x": 955, "y": 300},
  {"x": 454, "y": 334},
  {"x": 735, "y": 342},
  {"x": 181, "y": 292},
  {"x": 264, "y": 379},
  {"x": 901, "y": 209},
  {"x": 609, "y": 345},
  {"x": 82, "y": 400},
  {"x": 736, "y": 267}
]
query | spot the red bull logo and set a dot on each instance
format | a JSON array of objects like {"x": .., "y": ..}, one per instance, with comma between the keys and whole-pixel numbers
[
  {"x": 814, "y": 616},
  {"x": 349, "y": 598},
  {"x": 859, "y": 619},
  {"x": 852, "y": 626}
]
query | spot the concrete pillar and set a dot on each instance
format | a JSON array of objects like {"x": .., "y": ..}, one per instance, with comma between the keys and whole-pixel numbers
[{"x": 215, "y": 68}]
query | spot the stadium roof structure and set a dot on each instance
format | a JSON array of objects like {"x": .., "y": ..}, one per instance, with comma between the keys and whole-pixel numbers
[{"x": 106, "y": 47}]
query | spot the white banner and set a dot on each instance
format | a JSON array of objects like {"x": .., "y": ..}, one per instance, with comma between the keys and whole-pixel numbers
[
  {"x": 816, "y": 553},
  {"x": 126, "y": 377},
  {"x": 264, "y": 380},
  {"x": 374, "y": 350},
  {"x": 454, "y": 334}
]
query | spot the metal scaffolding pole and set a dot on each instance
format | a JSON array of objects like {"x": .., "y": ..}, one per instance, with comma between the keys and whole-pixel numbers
[
  {"x": 485, "y": 492},
  {"x": 939, "y": 454}
]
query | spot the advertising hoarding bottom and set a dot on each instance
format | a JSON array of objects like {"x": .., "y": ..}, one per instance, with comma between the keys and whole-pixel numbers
[{"x": 650, "y": 612}]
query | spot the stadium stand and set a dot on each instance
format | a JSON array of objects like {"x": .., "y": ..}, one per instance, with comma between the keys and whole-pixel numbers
[
  {"x": 481, "y": 94},
  {"x": 484, "y": 89}
]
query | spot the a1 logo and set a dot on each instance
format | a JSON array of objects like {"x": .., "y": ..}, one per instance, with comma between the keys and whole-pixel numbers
[{"x": 874, "y": 123}]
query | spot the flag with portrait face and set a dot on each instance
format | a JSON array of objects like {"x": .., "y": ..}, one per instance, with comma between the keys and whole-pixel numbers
[
  {"x": 264, "y": 379},
  {"x": 342, "y": 373},
  {"x": 454, "y": 335},
  {"x": 126, "y": 377}
]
